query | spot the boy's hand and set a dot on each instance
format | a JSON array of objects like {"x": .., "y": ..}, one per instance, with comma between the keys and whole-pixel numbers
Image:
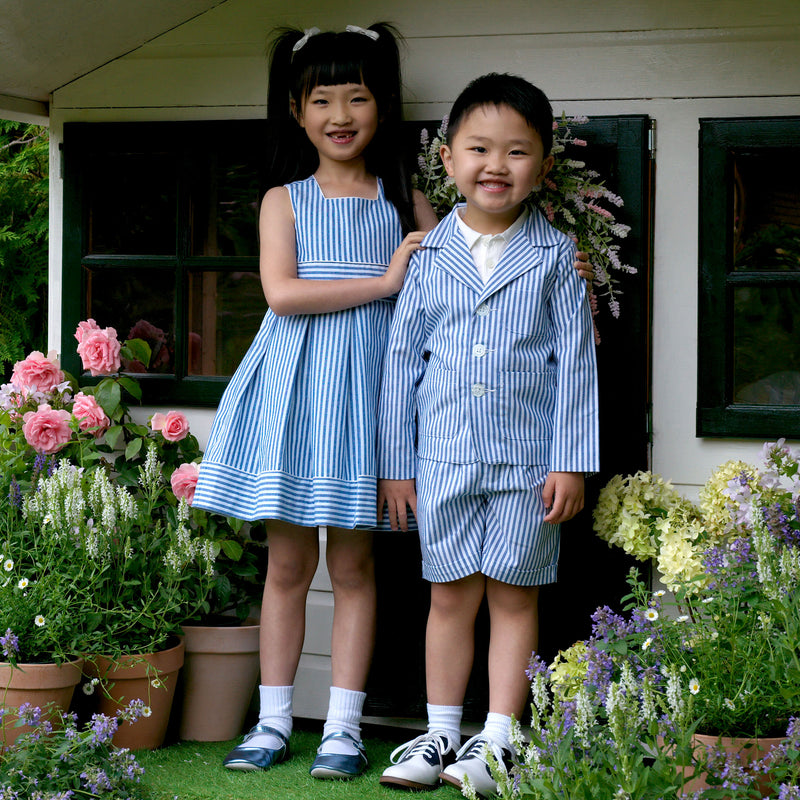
[
  {"x": 563, "y": 495},
  {"x": 397, "y": 495}
]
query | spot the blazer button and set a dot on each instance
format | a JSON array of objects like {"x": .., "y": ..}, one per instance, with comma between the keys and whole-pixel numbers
[
  {"x": 482, "y": 310},
  {"x": 479, "y": 389},
  {"x": 479, "y": 350}
]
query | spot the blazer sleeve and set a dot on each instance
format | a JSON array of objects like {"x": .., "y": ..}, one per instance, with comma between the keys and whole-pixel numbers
[
  {"x": 576, "y": 421},
  {"x": 403, "y": 369}
]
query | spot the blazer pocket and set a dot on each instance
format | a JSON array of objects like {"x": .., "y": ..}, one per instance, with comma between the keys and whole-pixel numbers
[
  {"x": 520, "y": 310},
  {"x": 438, "y": 404},
  {"x": 527, "y": 405}
]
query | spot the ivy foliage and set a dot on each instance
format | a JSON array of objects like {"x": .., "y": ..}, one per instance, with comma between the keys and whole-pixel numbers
[{"x": 23, "y": 240}]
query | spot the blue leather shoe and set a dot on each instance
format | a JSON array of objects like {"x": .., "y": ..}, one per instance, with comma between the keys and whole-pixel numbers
[
  {"x": 255, "y": 758},
  {"x": 339, "y": 765}
]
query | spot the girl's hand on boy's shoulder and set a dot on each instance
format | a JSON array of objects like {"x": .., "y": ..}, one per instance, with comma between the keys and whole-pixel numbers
[
  {"x": 563, "y": 496},
  {"x": 397, "y": 495},
  {"x": 396, "y": 271},
  {"x": 582, "y": 265}
]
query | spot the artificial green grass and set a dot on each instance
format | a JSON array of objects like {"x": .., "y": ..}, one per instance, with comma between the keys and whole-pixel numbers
[{"x": 193, "y": 771}]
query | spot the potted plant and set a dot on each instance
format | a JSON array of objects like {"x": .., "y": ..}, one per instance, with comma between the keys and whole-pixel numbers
[
  {"x": 624, "y": 713},
  {"x": 143, "y": 559}
]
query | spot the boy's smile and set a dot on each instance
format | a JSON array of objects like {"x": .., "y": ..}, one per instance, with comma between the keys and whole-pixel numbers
[{"x": 496, "y": 158}]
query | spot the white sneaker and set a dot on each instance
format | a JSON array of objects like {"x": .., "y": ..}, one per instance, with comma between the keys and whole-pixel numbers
[
  {"x": 471, "y": 763},
  {"x": 418, "y": 763}
]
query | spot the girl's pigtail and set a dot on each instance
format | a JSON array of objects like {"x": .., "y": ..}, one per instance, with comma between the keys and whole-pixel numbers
[
  {"x": 289, "y": 153},
  {"x": 385, "y": 156}
]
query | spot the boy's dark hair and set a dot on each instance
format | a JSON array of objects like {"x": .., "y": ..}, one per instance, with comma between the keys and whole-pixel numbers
[
  {"x": 503, "y": 89},
  {"x": 331, "y": 59}
]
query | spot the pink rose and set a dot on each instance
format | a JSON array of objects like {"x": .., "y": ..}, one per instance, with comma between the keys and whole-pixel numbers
[
  {"x": 89, "y": 414},
  {"x": 38, "y": 372},
  {"x": 173, "y": 426},
  {"x": 47, "y": 430},
  {"x": 184, "y": 481},
  {"x": 99, "y": 350},
  {"x": 85, "y": 328}
]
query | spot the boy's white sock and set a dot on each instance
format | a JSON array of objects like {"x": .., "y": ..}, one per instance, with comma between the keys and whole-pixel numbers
[
  {"x": 446, "y": 720},
  {"x": 344, "y": 714},
  {"x": 275, "y": 711},
  {"x": 498, "y": 729}
]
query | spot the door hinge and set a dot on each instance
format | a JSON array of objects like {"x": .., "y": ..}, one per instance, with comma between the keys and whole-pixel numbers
[{"x": 651, "y": 140}]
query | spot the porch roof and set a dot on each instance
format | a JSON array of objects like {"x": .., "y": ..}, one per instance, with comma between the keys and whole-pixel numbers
[{"x": 46, "y": 44}]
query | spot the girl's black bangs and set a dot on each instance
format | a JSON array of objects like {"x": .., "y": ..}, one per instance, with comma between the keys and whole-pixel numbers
[{"x": 331, "y": 73}]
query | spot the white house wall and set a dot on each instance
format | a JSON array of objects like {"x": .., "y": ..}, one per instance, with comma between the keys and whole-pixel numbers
[{"x": 675, "y": 61}]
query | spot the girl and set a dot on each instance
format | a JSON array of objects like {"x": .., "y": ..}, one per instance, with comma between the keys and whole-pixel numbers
[{"x": 294, "y": 438}]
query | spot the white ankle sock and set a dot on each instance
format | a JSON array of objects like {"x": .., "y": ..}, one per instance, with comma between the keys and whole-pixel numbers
[
  {"x": 344, "y": 714},
  {"x": 498, "y": 729},
  {"x": 275, "y": 711},
  {"x": 446, "y": 720}
]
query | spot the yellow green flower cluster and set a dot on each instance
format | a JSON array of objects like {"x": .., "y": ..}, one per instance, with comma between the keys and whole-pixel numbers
[{"x": 645, "y": 516}]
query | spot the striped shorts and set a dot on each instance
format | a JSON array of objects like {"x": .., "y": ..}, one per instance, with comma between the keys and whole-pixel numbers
[{"x": 486, "y": 518}]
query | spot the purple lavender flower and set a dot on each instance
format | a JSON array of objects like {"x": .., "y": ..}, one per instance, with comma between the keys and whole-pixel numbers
[
  {"x": 10, "y": 643},
  {"x": 15, "y": 494}
]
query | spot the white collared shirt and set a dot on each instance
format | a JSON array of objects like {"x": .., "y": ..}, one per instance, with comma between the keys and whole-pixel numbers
[{"x": 487, "y": 248}]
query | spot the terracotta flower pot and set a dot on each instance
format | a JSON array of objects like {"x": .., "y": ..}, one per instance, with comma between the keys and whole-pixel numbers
[
  {"x": 39, "y": 685},
  {"x": 151, "y": 677},
  {"x": 219, "y": 676},
  {"x": 746, "y": 750}
]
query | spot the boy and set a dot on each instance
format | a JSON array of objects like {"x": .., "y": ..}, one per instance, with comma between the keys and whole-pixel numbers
[{"x": 488, "y": 420}]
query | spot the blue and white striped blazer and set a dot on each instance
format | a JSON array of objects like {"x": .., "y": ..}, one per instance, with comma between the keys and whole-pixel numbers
[{"x": 503, "y": 373}]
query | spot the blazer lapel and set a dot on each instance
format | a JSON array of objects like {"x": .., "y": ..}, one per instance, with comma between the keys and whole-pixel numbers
[
  {"x": 521, "y": 255},
  {"x": 453, "y": 255}
]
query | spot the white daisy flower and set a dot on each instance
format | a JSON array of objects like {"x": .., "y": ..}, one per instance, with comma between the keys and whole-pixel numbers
[
  {"x": 647, "y": 642},
  {"x": 8, "y": 565},
  {"x": 651, "y": 615},
  {"x": 147, "y": 711},
  {"x": 682, "y": 618},
  {"x": 39, "y": 621},
  {"x": 23, "y": 583},
  {"x": 694, "y": 686}
]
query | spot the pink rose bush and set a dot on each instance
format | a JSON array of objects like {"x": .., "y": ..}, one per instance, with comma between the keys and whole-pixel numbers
[
  {"x": 173, "y": 426},
  {"x": 47, "y": 429},
  {"x": 98, "y": 348},
  {"x": 184, "y": 481},
  {"x": 90, "y": 414},
  {"x": 38, "y": 372}
]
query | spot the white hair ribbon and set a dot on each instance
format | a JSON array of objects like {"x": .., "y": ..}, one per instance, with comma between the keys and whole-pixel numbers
[
  {"x": 307, "y": 34},
  {"x": 374, "y": 35}
]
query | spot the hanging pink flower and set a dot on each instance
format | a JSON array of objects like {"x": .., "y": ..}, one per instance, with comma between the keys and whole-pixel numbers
[
  {"x": 184, "y": 481},
  {"x": 84, "y": 328},
  {"x": 99, "y": 350},
  {"x": 47, "y": 430},
  {"x": 90, "y": 414},
  {"x": 38, "y": 372},
  {"x": 173, "y": 426}
]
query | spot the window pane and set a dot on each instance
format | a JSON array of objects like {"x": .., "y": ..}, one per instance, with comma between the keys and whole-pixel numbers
[
  {"x": 225, "y": 312},
  {"x": 131, "y": 200},
  {"x": 138, "y": 303},
  {"x": 767, "y": 211},
  {"x": 766, "y": 359},
  {"x": 225, "y": 201}
]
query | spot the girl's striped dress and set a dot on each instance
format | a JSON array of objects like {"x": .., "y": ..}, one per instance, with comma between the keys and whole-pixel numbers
[{"x": 294, "y": 436}]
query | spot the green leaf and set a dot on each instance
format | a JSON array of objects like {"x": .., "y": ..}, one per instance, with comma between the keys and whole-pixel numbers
[
  {"x": 133, "y": 448},
  {"x": 108, "y": 394},
  {"x": 131, "y": 386},
  {"x": 136, "y": 350},
  {"x": 112, "y": 435},
  {"x": 232, "y": 549}
]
